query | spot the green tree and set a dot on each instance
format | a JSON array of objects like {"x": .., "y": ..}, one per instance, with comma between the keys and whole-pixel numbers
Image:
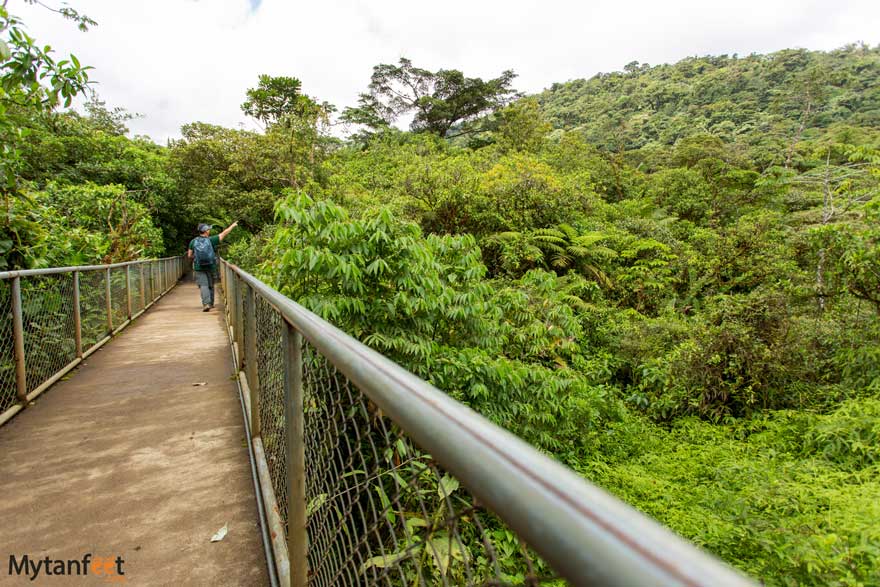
[
  {"x": 32, "y": 82},
  {"x": 295, "y": 123},
  {"x": 522, "y": 126},
  {"x": 440, "y": 100}
]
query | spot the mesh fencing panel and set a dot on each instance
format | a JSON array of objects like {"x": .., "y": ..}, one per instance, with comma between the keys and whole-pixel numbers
[
  {"x": 7, "y": 352},
  {"x": 93, "y": 307},
  {"x": 271, "y": 376},
  {"x": 47, "y": 319},
  {"x": 148, "y": 282},
  {"x": 379, "y": 509},
  {"x": 136, "y": 289},
  {"x": 245, "y": 332},
  {"x": 119, "y": 296}
]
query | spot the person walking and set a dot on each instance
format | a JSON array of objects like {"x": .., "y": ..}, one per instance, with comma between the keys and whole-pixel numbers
[{"x": 203, "y": 252}]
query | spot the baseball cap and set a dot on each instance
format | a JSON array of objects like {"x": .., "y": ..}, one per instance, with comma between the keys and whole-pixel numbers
[{"x": 203, "y": 227}]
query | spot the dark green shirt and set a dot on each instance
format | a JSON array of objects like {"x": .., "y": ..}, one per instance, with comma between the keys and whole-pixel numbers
[{"x": 215, "y": 242}]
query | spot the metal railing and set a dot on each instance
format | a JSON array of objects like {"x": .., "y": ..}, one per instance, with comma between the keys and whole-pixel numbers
[
  {"x": 52, "y": 319},
  {"x": 370, "y": 475}
]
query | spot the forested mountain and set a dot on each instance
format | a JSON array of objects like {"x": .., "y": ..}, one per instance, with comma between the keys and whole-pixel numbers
[
  {"x": 666, "y": 277},
  {"x": 761, "y": 103}
]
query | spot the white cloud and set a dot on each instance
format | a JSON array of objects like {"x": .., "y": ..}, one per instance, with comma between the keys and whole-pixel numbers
[{"x": 177, "y": 61}]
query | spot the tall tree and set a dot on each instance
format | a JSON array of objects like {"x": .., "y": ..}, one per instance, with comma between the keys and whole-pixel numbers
[
  {"x": 274, "y": 99},
  {"x": 296, "y": 122},
  {"x": 439, "y": 100}
]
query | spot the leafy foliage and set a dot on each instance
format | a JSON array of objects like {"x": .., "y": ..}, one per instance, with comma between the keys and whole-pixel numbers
[
  {"x": 666, "y": 277},
  {"x": 439, "y": 100}
]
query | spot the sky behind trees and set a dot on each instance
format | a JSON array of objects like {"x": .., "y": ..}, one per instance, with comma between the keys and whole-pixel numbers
[{"x": 175, "y": 61}]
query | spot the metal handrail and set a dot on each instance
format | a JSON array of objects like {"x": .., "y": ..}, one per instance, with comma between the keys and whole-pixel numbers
[
  {"x": 161, "y": 275},
  {"x": 72, "y": 268},
  {"x": 585, "y": 534}
]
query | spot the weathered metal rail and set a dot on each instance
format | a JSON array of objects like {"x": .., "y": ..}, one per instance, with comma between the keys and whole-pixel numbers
[
  {"x": 52, "y": 319},
  {"x": 372, "y": 476}
]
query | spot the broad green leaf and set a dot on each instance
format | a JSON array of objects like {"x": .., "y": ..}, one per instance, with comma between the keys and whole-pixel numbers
[
  {"x": 316, "y": 503},
  {"x": 444, "y": 550},
  {"x": 383, "y": 561},
  {"x": 447, "y": 486}
]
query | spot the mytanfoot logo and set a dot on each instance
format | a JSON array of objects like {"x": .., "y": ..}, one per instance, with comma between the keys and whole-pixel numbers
[{"x": 108, "y": 568}]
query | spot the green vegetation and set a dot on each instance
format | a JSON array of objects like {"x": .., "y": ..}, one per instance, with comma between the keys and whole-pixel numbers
[{"x": 666, "y": 277}]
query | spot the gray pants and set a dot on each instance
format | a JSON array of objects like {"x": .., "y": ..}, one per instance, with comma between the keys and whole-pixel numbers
[{"x": 205, "y": 279}]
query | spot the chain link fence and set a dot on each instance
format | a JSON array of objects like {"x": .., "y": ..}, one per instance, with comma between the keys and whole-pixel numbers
[
  {"x": 270, "y": 371},
  {"x": 386, "y": 509},
  {"x": 49, "y": 331},
  {"x": 50, "y": 319},
  {"x": 137, "y": 290},
  {"x": 119, "y": 295},
  {"x": 7, "y": 364},
  {"x": 376, "y": 478},
  {"x": 379, "y": 509}
]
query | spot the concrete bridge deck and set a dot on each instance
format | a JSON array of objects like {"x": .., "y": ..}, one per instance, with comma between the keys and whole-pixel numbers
[{"x": 129, "y": 458}]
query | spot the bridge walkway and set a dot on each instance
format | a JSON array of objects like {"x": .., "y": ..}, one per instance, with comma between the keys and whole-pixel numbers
[{"x": 139, "y": 453}]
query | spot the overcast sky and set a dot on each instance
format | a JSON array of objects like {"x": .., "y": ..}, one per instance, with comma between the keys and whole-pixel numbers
[{"x": 178, "y": 61}]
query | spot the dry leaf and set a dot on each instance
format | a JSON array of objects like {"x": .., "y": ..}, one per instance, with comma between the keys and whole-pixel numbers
[{"x": 221, "y": 533}]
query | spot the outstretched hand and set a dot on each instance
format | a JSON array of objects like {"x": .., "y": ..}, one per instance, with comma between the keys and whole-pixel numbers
[{"x": 228, "y": 230}]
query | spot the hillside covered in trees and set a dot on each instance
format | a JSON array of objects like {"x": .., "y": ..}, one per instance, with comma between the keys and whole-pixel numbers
[{"x": 666, "y": 277}]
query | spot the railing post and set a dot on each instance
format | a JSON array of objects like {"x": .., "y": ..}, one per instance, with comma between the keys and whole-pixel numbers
[
  {"x": 238, "y": 328},
  {"x": 229, "y": 296},
  {"x": 128, "y": 289},
  {"x": 224, "y": 269},
  {"x": 250, "y": 365},
  {"x": 109, "y": 302},
  {"x": 143, "y": 287},
  {"x": 18, "y": 341},
  {"x": 77, "y": 317},
  {"x": 297, "y": 537}
]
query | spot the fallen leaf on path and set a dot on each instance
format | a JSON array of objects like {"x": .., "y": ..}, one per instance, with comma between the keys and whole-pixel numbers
[
  {"x": 200, "y": 383},
  {"x": 221, "y": 533}
]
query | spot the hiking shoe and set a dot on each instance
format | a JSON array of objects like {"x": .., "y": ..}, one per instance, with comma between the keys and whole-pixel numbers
[{"x": 205, "y": 308}]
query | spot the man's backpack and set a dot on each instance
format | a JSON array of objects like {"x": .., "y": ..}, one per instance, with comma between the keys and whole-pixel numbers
[{"x": 203, "y": 252}]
